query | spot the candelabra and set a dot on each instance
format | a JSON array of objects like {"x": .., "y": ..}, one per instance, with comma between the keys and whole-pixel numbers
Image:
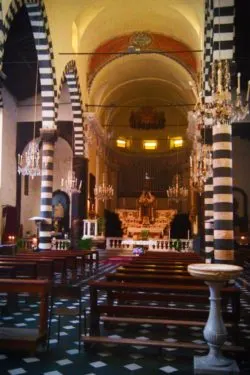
[
  {"x": 71, "y": 184},
  {"x": 104, "y": 192},
  {"x": 222, "y": 108},
  {"x": 201, "y": 165},
  {"x": 29, "y": 164},
  {"x": 177, "y": 192}
]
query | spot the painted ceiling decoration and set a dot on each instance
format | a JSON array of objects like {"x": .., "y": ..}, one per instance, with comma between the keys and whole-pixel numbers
[
  {"x": 145, "y": 42},
  {"x": 147, "y": 118}
]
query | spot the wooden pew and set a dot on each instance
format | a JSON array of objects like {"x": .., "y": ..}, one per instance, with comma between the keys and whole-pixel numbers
[
  {"x": 152, "y": 271},
  {"x": 44, "y": 266},
  {"x": 155, "y": 266},
  {"x": 25, "y": 269},
  {"x": 153, "y": 278},
  {"x": 152, "y": 315},
  {"x": 47, "y": 265},
  {"x": 27, "y": 339}
]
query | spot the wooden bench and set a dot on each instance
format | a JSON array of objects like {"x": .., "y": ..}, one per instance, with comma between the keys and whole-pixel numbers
[
  {"x": 153, "y": 278},
  {"x": 44, "y": 266},
  {"x": 25, "y": 269},
  {"x": 24, "y": 338},
  {"x": 148, "y": 271}
]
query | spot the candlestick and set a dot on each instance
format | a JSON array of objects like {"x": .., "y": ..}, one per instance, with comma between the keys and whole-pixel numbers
[
  {"x": 248, "y": 91},
  {"x": 238, "y": 84}
]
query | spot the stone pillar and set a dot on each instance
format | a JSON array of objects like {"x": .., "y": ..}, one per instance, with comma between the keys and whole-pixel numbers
[
  {"x": 48, "y": 137},
  {"x": 223, "y": 194},
  {"x": 79, "y": 200},
  {"x": 208, "y": 219},
  {"x": 97, "y": 180}
]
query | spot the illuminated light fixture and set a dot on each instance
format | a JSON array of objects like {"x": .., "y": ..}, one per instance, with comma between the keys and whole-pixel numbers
[
  {"x": 150, "y": 145},
  {"x": 104, "y": 191},
  {"x": 177, "y": 191},
  {"x": 121, "y": 143},
  {"x": 71, "y": 184},
  {"x": 176, "y": 142}
]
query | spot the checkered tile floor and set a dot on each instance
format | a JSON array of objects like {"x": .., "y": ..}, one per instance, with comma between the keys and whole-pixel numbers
[{"x": 63, "y": 357}]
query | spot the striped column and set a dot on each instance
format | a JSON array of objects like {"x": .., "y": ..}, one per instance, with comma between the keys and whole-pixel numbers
[
  {"x": 208, "y": 218},
  {"x": 48, "y": 138},
  {"x": 45, "y": 63},
  {"x": 223, "y": 194},
  {"x": 223, "y": 29},
  {"x": 75, "y": 97},
  {"x": 208, "y": 55}
]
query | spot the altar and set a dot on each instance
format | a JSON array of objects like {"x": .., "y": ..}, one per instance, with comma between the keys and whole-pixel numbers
[{"x": 146, "y": 221}]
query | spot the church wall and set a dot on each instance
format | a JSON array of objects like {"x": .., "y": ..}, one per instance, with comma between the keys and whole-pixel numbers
[
  {"x": 161, "y": 204},
  {"x": 30, "y": 205},
  {"x": 241, "y": 160},
  {"x": 8, "y": 157}
]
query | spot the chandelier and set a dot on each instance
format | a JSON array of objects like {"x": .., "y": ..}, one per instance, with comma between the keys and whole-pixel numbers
[
  {"x": 224, "y": 109},
  {"x": 71, "y": 184},
  {"x": 201, "y": 165},
  {"x": 177, "y": 192},
  {"x": 103, "y": 192},
  {"x": 29, "y": 165}
]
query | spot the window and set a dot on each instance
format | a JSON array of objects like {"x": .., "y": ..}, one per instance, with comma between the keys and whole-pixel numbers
[
  {"x": 121, "y": 143},
  {"x": 176, "y": 142},
  {"x": 150, "y": 145}
]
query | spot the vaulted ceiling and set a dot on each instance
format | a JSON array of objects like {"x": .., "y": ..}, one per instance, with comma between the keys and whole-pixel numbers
[{"x": 98, "y": 34}]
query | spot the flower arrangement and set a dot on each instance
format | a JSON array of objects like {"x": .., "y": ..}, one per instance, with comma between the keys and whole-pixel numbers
[{"x": 138, "y": 251}]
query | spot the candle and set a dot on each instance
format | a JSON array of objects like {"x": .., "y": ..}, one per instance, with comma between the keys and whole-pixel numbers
[
  {"x": 188, "y": 234},
  {"x": 80, "y": 186},
  {"x": 62, "y": 181},
  {"x": 248, "y": 91},
  {"x": 238, "y": 84},
  {"x": 169, "y": 233}
]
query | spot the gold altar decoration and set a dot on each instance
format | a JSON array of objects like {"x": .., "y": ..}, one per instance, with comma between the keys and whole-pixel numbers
[{"x": 146, "y": 218}]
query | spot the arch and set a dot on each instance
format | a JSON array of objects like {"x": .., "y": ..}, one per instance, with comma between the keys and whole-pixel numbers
[
  {"x": 70, "y": 76},
  {"x": 41, "y": 33}
]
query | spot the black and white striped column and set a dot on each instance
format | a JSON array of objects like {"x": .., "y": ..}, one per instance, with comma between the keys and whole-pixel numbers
[
  {"x": 48, "y": 138},
  {"x": 223, "y": 194},
  {"x": 223, "y": 29},
  {"x": 209, "y": 220},
  {"x": 208, "y": 49},
  {"x": 45, "y": 63}
]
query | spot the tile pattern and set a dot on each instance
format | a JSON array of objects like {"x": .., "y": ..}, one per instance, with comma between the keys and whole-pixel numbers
[{"x": 64, "y": 359}]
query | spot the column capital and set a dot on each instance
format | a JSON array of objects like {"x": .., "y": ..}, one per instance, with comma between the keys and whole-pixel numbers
[{"x": 48, "y": 134}]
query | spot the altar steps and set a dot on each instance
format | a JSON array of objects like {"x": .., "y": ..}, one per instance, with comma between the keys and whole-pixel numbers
[{"x": 118, "y": 253}]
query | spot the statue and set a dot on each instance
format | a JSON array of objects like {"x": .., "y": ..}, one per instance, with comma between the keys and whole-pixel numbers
[
  {"x": 58, "y": 211},
  {"x": 146, "y": 210}
]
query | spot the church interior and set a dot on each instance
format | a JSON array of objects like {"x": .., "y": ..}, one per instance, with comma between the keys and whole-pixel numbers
[{"x": 124, "y": 187}]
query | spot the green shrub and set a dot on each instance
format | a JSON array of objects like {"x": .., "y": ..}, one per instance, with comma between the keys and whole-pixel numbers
[{"x": 85, "y": 244}]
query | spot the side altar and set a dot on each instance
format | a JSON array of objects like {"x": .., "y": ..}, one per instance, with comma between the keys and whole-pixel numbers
[{"x": 146, "y": 220}]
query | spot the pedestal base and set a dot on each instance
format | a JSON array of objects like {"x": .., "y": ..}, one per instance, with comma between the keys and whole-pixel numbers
[{"x": 202, "y": 365}]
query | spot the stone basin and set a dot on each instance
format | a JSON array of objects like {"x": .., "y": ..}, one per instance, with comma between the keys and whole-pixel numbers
[{"x": 214, "y": 272}]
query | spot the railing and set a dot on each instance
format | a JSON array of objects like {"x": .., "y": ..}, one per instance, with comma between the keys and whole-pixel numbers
[
  {"x": 28, "y": 244},
  {"x": 57, "y": 244},
  {"x": 119, "y": 243}
]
